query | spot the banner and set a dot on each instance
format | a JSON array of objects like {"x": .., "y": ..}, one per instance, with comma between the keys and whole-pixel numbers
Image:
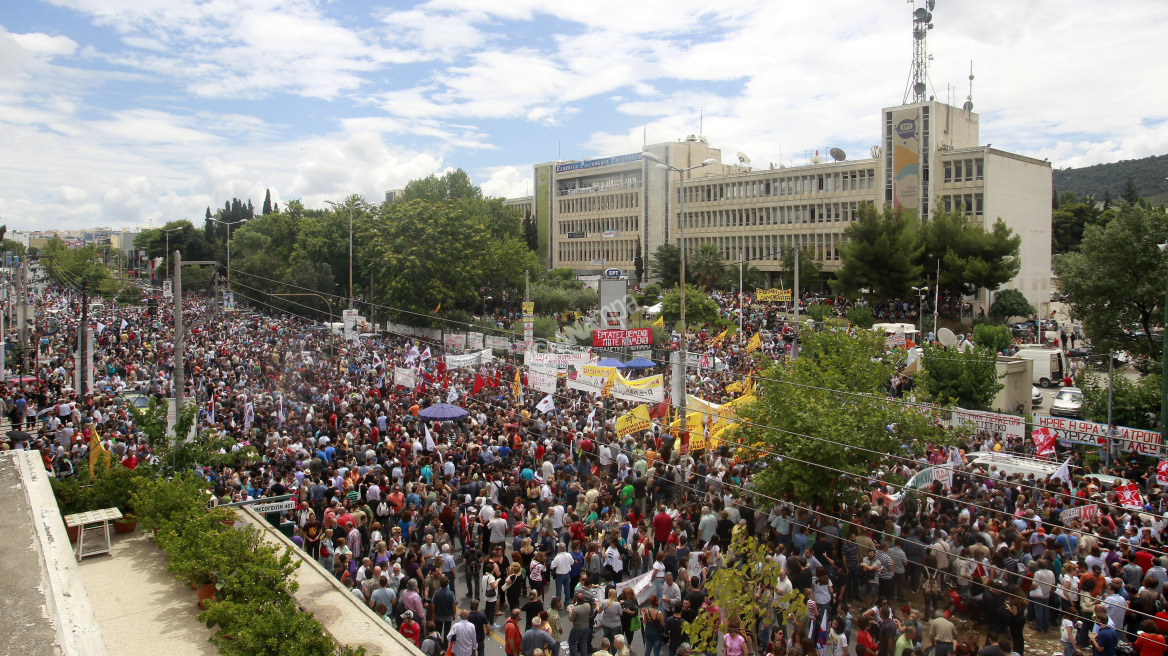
[
  {"x": 906, "y": 161},
  {"x": 542, "y": 379},
  {"x": 528, "y": 325},
  {"x": 405, "y": 377},
  {"x": 634, "y": 422},
  {"x": 926, "y": 477},
  {"x": 474, "y": 341},
  {"x": 1044, "y": 439},
  {"x": 453, "y": 341},
  {"x": 558, "y": 360},
  {"x": 1081, "y": 513},
  {"x": 469, "y": 360},
  {"x": 588, "y": 378},
  {"x": 500, "y": 343},
  {"x": 650, "y": 390},
  {"x": 1077, "y": 431},
  {"x": 1162, "y": 472},
  {"x": 990, "y": 422},
  {"x": 398, "y": 328},
  {"x": 642, "y": 586},
  {"x": 432, "y": 334},
  {"x": 631, "y": 337},
  {"x": 894, "y": 339},
  {"x": 1129, "y": 496},
  {"x": 773, "y": 295}
]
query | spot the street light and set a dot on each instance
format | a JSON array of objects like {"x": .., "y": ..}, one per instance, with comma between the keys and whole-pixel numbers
[
  {"x": 229, "y": 226},
  {"x": 681, "y": 281},
  {"x": 363, "y": 206},
  {"x": 921, "y": 292},
  {"x": 166, "y": 271}
]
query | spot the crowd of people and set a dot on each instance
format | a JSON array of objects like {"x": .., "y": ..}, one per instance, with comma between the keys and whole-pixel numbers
[{"x": 524, "y": 523}]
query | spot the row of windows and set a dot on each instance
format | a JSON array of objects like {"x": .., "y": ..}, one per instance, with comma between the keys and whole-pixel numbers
[
  {"x": 968, "y": 170},
  {"x": 765, "y": 216},
  {"x": 787, "y": 186},
  {"x": 609, "y": 250},
  {"x": 770, "y": 248},
  {"x": 600, "y": 203},
  {"x": 587, "y": 186},
  {"x": 968, "y": 203},
  {"x": 597, "y": 225}
]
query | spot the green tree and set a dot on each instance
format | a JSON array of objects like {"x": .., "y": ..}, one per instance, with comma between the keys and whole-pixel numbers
[
  {"x": 1068, "y": 222},
  {"x": 267, "y": 202},
  {"x": 966, "y": 379},
  {"x": 1011, "y": 303},
  {"x": 1135, "y": 404},
  {"x": 665, "y": 267},
  {"x": 861, "y": 316},
  {"x": 699, "y": 307},
  {"x": 1130, "y": 195},
  {"x": 880, "y": 256},
  {"x": 1115, "y": 283},
  {"x": 752, "y": 278},
  {"x": 639, "y": 264},
  {"x": 452, "y": 185},
  {"x": 809, "y": 268},
  {"x": 972, "y": 258},
  {"x": 705, "y": 266},
  {"x": 995, "y": 338},
  {"x": 848, "y": 429}
]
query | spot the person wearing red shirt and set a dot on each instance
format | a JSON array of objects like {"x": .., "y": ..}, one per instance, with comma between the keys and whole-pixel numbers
[
  {"x": 865, "y": 643},
  {"x": 1150, "y": 643},
  {"x": 662, "y": 525},
  {"x": 1144, "y": 560},
  {"x": 409, "y": 629},
  {"x": 513, "y": 635}
]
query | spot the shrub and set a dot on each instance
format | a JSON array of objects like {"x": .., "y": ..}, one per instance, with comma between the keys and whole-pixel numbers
[
  {"x": 861, "y": 316},
  {"x": 996, "y": 338},
  {"x": 819, "y": 311}
]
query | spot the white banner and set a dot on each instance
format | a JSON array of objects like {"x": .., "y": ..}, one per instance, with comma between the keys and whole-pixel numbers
[
  {"x": 1076, "y": 431},
  {"x": 559, "y": 360},
  {"x": 349, "y": 317},
  {"x": 642, "y": 586},
  {"x": 1081, "y": 513},
  {"x": 432, "y": 334},
  {"x": 542, "y": 379},
  {"x": 398, "y": 328},
  {"x": 274, "y": 506},
  {"x": 926, "y": 477},
  {"x": 501, "y": 343},
  {"x": 991, "y": 422},
  {"x": 469, "y": 360},
  {"x": 453, "y": 341},
  {"x": 589, "y": 379},
  {"x": 405, "y": 377},
  {"x": 474, "y": 341},
  {"x": 646, "y": 390}
]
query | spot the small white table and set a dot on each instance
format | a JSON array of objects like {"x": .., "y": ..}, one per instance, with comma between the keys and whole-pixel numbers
[{"x": 95, "y": 524}]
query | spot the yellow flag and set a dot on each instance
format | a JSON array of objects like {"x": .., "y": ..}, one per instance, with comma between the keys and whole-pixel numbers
[
  {"x": 517, "y": 386},
  {"x": 660, "y": 322},
  {"x": 754, "y": 342},
  {"x": 437, "y": 308},
  {"x": 635, "y": 421},
  {"x": 721, "y": 336}
]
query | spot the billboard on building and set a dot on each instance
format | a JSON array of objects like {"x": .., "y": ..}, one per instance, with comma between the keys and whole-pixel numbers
[{"x": 906, "y": 160}]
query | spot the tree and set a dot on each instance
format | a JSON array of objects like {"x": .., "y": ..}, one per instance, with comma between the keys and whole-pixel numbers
[
  {"x": 531, "y": 233},
  {"x": 847, "y": 430},
  {"x": 1133, "y": 404},
  {"x": 966, "y": 379},
  {"x": 880, "y": 256},
  {"x": 995, "y": 338},
  {"x": 1011, "y": 303},
  {"x": 639, "y": 263},
  {"x": 453, "y": 185},
  {"x": 752, "y": 278},
  {"x": 1115, "y": 283},
  {"x": 1130, "y": 195},
  {"x": 861, "y": 316},
  {"x": 971, "y": 257},
  {"x": 738, "y": 591},
  {"x": 809, "y": 267},
  {"x": 699, "y": 307},
  {"x": 665, "y": 267},
  {"x": 1068, "y": 222},
  {"x": 267, "y": 202},
  {"x": 705, "y": 266}
]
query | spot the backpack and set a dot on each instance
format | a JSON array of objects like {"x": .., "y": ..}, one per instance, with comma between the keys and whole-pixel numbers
[{"x": 382, "y": 509}]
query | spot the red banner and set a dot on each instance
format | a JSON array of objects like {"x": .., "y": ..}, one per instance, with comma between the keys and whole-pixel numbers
[
  {"x": 1129, "y": 496},
  {"x": 1162, "y": 472},
  {"x": 1043, "y": 441},
  {"x": 633, "y": 337}
]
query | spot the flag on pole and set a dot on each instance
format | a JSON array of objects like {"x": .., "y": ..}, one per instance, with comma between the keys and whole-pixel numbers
[
  {"x": 438, "y": 308},
  {"x": 660, "y": 322},
  {"x": 100, "y": 327},
  {"x": 1044, "y": 439},
  {"x": 546, "y": 404},
  {"x": 1162, "y": 472},
  {"x": 426, "y": 353},
  {"x": 124, "y": 324},
  {"x": 248, "y": 415},
  {"x": 479, "y": 384},
  {"x": 1063, "y": 473},
  {"x": 376, "y": 359},
  {"x": 1129, "y": 496},
  {"x": 721, "y": 335},
  {"x": 517, "y": 386},
  {"x": 412, "y": 354},
  {"x": 97, "y": 452},
  {"x": 754, "y": 343}
]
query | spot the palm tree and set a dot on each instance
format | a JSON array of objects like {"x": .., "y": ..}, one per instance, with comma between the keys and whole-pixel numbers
[{"x": 705, "y": 266}]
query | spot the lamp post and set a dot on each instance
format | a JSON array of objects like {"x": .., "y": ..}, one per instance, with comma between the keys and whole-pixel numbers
[
  {"x": 684, "y": 350},
  {"x": 921, "y": 292},
  {"x": 229, "y": 226},
  {"x": 362, "y": 205},
  {"x": 166, "y": 271}
]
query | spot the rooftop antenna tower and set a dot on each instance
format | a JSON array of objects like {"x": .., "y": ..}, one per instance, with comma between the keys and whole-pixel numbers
[
  {"x": 922, "y": 23},
  {"x": 968, "y": 106},
  {"x": 701, "y": 119}
]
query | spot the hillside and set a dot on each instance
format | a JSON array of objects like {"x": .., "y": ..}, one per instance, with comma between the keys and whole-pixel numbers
[{"x": 1148, "y": 174}]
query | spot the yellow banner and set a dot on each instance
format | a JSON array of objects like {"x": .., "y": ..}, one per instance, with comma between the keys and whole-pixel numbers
[
  {"x": 643, "y": 383},
  {"x": 634, "y": 422},
  {"x": 734, "y": 388},
  {"x": 529, "y": 307},
  {"x": 754, "y": 343},
  {"x": 773, "y": 295},
  {"x": 660, "y": 322}
]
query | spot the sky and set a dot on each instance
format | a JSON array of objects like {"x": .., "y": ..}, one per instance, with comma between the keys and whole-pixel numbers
[{"x": 130, "y": 113}]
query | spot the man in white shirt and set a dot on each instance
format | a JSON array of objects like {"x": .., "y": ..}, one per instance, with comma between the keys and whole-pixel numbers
[
  {"x": 561, "y": 567},
  {"x": 1044, "y": 582}
]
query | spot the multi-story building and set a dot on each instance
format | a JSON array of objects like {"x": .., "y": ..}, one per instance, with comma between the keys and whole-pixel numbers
[{"x": 592, "y": 214}]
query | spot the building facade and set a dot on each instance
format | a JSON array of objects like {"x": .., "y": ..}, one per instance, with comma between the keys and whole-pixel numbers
[{"x": 591, "y": 214}]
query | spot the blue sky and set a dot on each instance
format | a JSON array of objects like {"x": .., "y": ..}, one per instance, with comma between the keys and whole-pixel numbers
[{"x": 126, "y": 112}]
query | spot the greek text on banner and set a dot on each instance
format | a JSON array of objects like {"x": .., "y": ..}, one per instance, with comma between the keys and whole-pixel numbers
[
  {"x": 634, "y": 422},
  {"x": 651, "y": 389},
  {"x": 773, "y": 295}
]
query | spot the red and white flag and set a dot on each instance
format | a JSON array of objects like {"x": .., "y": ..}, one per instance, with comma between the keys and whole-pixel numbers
[
  {"x": 1043, "y": 441},
  {"x": 1129, "y": 496},
  {"x": 1162, "y": 472}
]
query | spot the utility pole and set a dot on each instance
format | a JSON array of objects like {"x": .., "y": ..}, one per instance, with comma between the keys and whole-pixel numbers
[
  {"x": 1110, "y": 386},
  {"x": 741, "y": 263},
  {"x": 795, "y": 290},
  {"x": 178, "y": 335},
  {"x": 22, "y": 314},
  {"x": 526, "y": 285},
  {"x": 83, "y": 337}
]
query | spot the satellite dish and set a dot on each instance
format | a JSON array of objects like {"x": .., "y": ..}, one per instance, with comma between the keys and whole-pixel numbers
[
  {"x": 743, "y": 159},
  {"x": 920, "y": 14},
  {"x": 931, "y": 4},
  {"x": 929, "y": 20},
  {"x": 876, "y": 152},
  {"x": 968, "y": 106},
  {"x": 816, "y": 159},
  {"x": 837, "y": 154},
  {"x": 919, "y": 34},
  {"x": 919, "y": 88},
  {"x": 946, "y": 337}
]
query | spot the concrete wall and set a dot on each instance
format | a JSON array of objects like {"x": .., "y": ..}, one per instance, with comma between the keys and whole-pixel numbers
[
  {"x": 1015, "y": 374},
  {"x": 1018, "y": 189}
]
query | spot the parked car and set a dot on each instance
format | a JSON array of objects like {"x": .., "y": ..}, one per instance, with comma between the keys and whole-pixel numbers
[
  {"x": 1068, "y": 403},
  {"x": 1035, "y": 396},
  {"x": 136, "y": 402}
]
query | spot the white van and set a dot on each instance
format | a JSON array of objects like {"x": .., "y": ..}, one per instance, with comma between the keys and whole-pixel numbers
[
  {"x": 1049, "y": 364},
  {"x": 1011, "y": 464}
]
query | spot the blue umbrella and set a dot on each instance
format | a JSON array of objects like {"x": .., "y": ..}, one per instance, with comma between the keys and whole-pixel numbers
[
  {"x": 640, "y": 363},
  {"x": 443, "y": 412},
  {"x": 611, "y": 362}
]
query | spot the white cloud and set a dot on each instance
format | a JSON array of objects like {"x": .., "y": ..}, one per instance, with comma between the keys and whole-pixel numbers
[
  {"x": 43, "y": 45},
  {"x": 507, "y": 182}
]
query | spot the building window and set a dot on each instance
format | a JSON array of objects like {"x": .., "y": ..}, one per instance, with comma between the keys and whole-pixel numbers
[
  {"x": 967, "y": 203},
  {"x": 948, "y": 172},
  {"x": 978, "y": 201},
  {"x": 969, "y": 170},
  {"x": 979, "y": 166},
  {"x": 948, "y": 203}
]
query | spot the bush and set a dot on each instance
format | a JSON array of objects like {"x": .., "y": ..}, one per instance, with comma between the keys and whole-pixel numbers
[
  {"x": 1011, "y": 303},
  {"x": 460, "y": 318},
  {"x": 995, "y": 338},
  {"x": 699, "y": 307},
  {"x": 861, "y": 316},
  {"x": 561, "y": 274},
  {"x": 650, "y": 294},
  {"x": 819, "y": 311}
]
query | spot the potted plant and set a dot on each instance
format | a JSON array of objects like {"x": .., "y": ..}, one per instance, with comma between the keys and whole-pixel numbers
[{"x": 73, "y": 497}]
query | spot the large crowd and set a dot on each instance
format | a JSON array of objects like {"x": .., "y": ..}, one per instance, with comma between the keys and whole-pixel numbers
[{"x": 522, "y": 522}]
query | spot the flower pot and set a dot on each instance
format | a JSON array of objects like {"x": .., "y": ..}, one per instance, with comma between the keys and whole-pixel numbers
[
  {"x": 125, "y": 525},
  {"x": 74, "y": 533},
  {"x": 205, "y": 592}
]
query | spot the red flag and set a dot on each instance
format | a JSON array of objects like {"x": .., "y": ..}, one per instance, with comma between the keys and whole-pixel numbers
[
  {"x": 660, "y": 410},
  {"x": 1129, "y": 496},
  {"x": 1043, "y": 440},
  {"x": 1162, "y": 472},
  {"x": 478, "y": 384},
  {"x": 441, "y": 367}
]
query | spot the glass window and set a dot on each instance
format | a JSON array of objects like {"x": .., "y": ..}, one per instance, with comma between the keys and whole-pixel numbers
[
  {"x": 969, "y": 170},
  {"x": 979, "y": 165},
  {"x": 948, "y": 172},
  {"x": 948, "y": 203},
  {"x": 978, "y": 200},
  {"x": 967, "y": 203}
]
